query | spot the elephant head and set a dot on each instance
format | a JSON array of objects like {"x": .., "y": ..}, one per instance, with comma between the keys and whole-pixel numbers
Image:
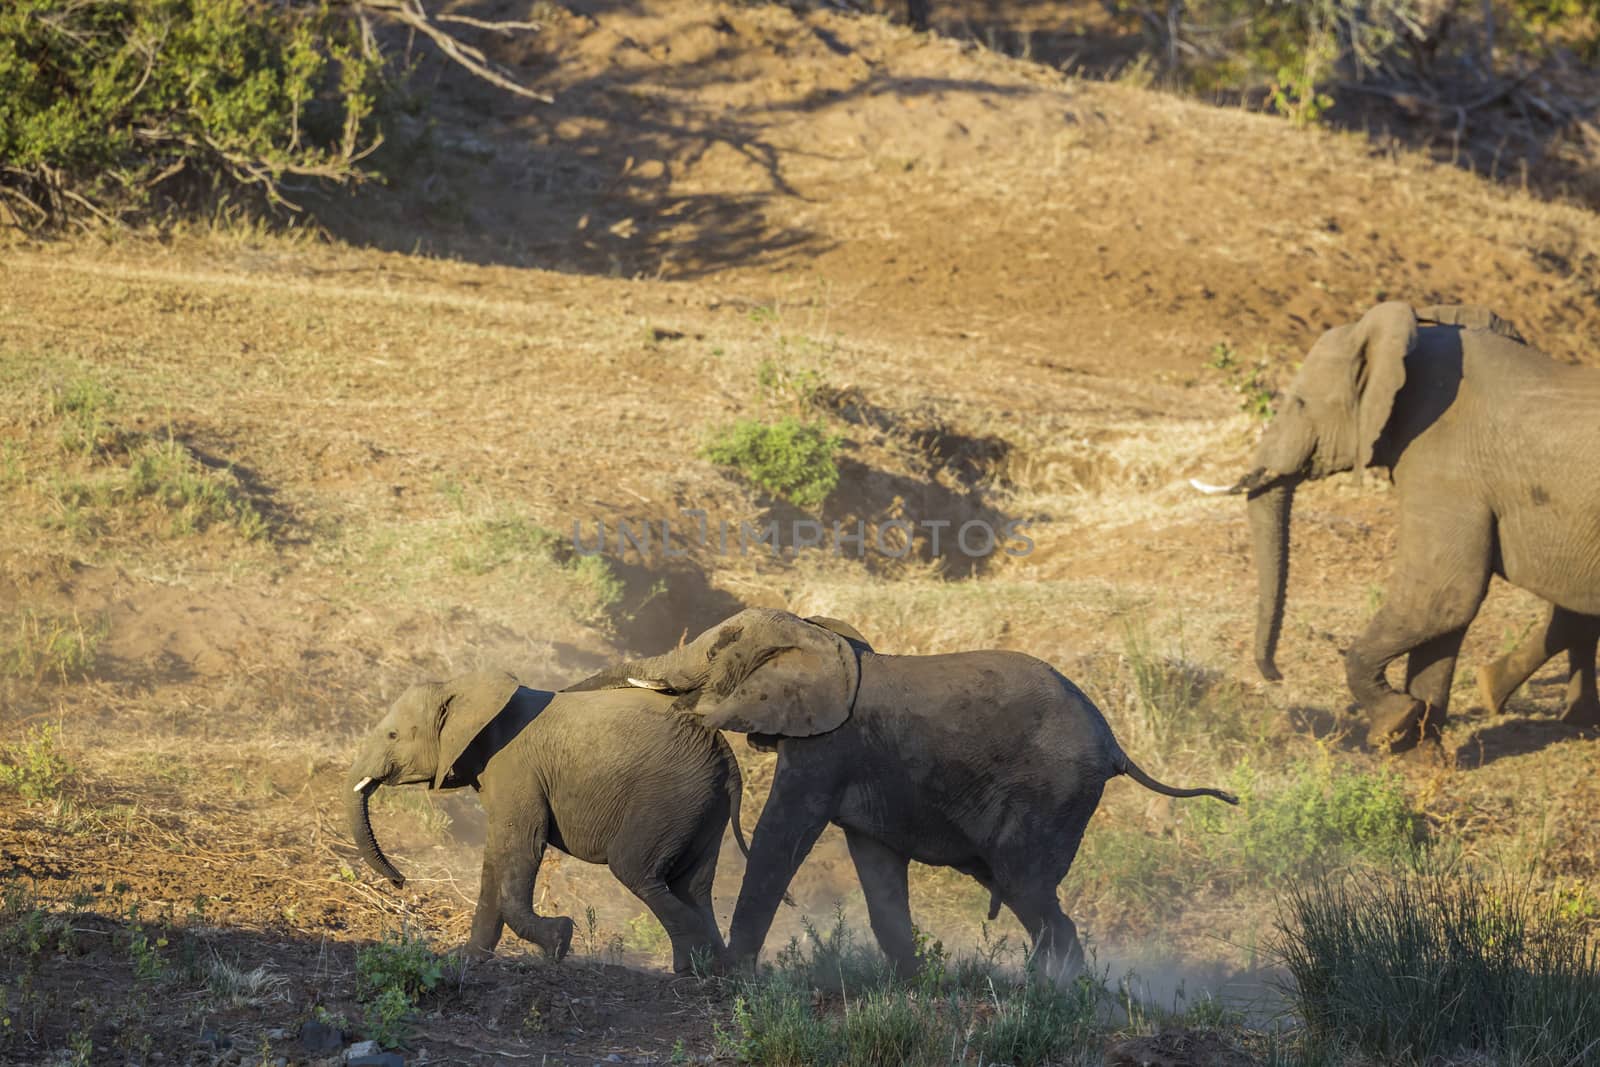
[
  {"x": 422, "y": 739},
  {"x": 759, "y": 672},
  {"x": 1330, "y": 419}
]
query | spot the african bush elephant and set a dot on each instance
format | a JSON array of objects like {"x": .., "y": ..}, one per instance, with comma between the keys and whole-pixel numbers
[
  {"x": 614, "y": 778},
  {"x": 1561, "y": 631},
  {"x": 988, "y": 762},
  {"x": 1490, "y": 446}
]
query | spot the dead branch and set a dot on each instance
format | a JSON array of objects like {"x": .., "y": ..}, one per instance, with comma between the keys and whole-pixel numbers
[{"x": 411, "y": 13}]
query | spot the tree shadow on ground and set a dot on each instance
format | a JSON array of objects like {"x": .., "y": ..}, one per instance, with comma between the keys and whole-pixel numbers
[{"x": 637, "y": 170}]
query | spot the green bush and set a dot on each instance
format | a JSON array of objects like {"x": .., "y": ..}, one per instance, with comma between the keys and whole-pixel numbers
[
  {"x": 1429, "y": 967},
  {"x": 392, "y": 977},
  {"x": 33, "y": 768},
  {"x": 106, "y": 105},
  {"x": 789, "y": 458}
]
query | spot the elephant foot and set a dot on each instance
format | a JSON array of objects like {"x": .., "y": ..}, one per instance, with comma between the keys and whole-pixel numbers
[
  {"x": 1487, "y": 691},
  {"x": 1584, "y": 714},
  {"x": 1395, "y": 724},
  {"x": 559, "y": 943},
  {"x": 475, "y": 953}
]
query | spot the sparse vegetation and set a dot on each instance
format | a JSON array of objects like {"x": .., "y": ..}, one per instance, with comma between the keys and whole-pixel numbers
[
  {"x": 33, "y": 768},
  {"x": 790, "y": 458},
  {"x": 1438, "y": 966},
  {"x": 61, "y": 648},
  {"x": 1254, "y": 383}
]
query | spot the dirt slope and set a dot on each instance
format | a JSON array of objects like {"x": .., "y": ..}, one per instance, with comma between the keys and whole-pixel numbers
[{"x": 1009, "y": 282}]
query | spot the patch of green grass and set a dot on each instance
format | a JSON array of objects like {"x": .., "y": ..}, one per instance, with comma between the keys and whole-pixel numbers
[
  {"x": 1316, "y": 816},
  {"x": 1431, "y": 967},
  {"x": 83, "y": 408},
  {"x": 1254, "y": 383},
  {"x": 1324, "y": 814},
  {"x": 197, "y": 497},
  {"x": 1177, "y": 702},
  {"x": 50, "y": 646},
  {"x": 829, "y": 1001},
  {"x": 33, "y": 768},
  {"x": 392, "y": 977},
  {"x": 790, "y": 459}
]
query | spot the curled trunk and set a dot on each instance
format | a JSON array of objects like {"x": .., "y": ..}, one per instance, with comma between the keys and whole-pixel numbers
[
  {"x": 1269, "y": 510},
  {"x": 361, "y": 829}
]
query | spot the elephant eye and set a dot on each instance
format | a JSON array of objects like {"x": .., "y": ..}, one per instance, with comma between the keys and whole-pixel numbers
[{"x": 393, "y": 734}]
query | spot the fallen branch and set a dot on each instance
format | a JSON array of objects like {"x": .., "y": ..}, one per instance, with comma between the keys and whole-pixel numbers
[{"x": 411, "y": 13}]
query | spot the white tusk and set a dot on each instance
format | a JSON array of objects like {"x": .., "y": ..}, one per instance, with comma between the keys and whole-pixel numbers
[
  {"x": 645, "y": 683},
  {"x": 1209, "y": 489},
  {"x": 362, "y": 784}
]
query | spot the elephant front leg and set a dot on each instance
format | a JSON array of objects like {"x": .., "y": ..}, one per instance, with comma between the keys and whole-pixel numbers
[
  {"x": 486, "y": 921},
  {"x": 789, "y": 826},
  {"x": 882, "y": 872},
  {"x": 516, "y": 851}
]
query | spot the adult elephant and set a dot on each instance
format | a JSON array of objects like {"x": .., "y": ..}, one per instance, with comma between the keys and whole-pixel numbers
[
  {"x": 1490, "y": 445},
  {"x": 988, "y": 762},
  {"x": 1559, "y": 631},
  {"x": 613, "y": 778}
]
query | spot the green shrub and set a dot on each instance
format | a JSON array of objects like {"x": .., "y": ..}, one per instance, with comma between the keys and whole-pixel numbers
[
  {"x": 789, "y": 458},
  {"x": 1429, "y": 967},
  {"x": 392, "y": 977},
  {"x": 33, "y": 768},
  {"x": 1323, "y": 815},
  {"x": 106, "y": 105}
]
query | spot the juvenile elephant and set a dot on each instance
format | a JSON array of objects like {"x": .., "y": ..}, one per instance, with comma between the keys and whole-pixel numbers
[
  {"x": 615, "y": 778},
  {"x": 1490, "y": 446},
  {"x": 1561, "y": 631},
  {"x": 988, "y": 762}
]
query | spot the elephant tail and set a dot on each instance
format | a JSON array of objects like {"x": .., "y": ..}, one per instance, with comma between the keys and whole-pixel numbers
[
  {"x": 735, "y": 786},
  {"x": 1126, "y": 766}
]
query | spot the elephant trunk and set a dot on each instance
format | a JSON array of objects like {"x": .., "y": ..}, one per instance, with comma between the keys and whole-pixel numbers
[
  {"x": 677, "y": 671},
  {"x": 356, "y": 798},
  {"x": 1269, "y": 510}
]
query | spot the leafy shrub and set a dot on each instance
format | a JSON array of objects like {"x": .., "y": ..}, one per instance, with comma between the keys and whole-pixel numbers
[
  {"x": 1429, "y": 967},
  {"x": 392, "y": 977},
  {"x": 789, "y": 458},
  {"x": 33, "y": 768},
  {"x": 110, "y": 103}
]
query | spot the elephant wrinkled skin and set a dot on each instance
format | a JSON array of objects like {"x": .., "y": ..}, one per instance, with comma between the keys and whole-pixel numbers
[
  {"x": 1490, "y": 445},
  {"x": 616, "y": 778},
  {"x": 988, "y": 762}
]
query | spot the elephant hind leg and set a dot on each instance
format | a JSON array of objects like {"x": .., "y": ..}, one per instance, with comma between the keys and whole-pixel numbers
[
  {"x": 1583, "y": 698},
  {"x": 1057, "y": 952}
]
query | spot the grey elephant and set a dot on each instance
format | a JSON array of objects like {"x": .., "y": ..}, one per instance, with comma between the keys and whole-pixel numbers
[
  {"x": 615, "y": 778},
  {"x": 1559, "y": 631},
  {"x": 1490, "y": 446},
  {"x": 988, "y": 762}
]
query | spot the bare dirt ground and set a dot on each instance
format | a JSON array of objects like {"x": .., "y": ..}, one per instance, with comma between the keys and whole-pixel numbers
[{"x": 1011, "y": 282}]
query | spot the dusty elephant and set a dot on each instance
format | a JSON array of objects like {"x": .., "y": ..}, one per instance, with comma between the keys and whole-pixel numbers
[
  {"x": 1485, "y": 439},
  {"x": 989, "y": 762},
  {"x": 614, "y": 778},
  {"x": 1560, "y": 631}
]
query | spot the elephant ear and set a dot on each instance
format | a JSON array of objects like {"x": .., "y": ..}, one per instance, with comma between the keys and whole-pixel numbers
[
  {"x": 1382, "y": 339},
  {"x": 464, "y": 706},
  {"x": 769, "y": 672},
  {"x": 1470, "y": 317},
  {"x": 842, "y": 628}
]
